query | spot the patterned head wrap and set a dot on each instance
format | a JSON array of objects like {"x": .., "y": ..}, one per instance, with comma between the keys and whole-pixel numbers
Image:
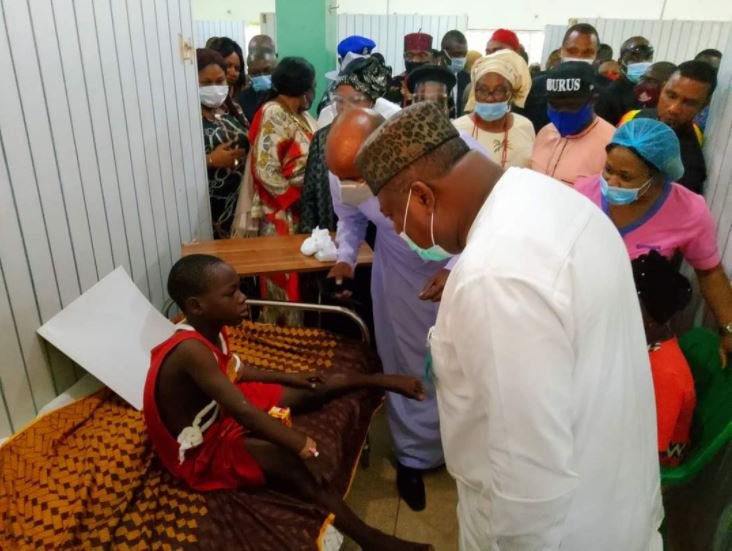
[
  {"x": 403, "y": 139},
  {"x": 510, "y": 66},
  {"x": 369, "y": 76}
]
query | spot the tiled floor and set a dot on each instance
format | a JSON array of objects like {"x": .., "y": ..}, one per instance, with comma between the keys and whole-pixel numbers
[{"x": 375, "y": 499}]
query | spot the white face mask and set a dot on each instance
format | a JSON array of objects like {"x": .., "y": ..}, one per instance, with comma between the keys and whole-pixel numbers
[
  {"x": 214, "y": 95},
  {"x": 580, "y": 59},
  {"x": 354, "y": 192}
]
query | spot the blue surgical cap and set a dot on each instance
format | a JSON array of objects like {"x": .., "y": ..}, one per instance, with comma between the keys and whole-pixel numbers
[
  {"x": 655, "y": 142},
  {"x": 355, "y": 44}
]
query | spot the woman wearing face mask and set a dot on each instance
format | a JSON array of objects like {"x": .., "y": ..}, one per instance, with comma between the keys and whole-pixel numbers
[
  {"x": 500, "y": 80},
  {"x": 224, "y": 137},
  {"x": 639, "y": 193},
  {"x": 280, "y": 135}
]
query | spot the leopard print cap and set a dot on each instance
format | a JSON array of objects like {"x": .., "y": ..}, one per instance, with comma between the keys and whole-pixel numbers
[{"x": 400, "y": 141}]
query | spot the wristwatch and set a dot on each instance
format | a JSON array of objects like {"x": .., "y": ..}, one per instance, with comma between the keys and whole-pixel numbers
[{"x": 726, "y": 329}]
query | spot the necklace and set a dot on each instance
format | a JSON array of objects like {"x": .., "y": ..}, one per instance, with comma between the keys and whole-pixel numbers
[
  {"x": 504, "y": 143},
  {"x": 217, "y": 119},
  {"x": 212, "y": 115}
]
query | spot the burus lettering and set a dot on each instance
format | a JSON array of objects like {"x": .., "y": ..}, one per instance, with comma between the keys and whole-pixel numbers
[{"x": 564, "y": 85}]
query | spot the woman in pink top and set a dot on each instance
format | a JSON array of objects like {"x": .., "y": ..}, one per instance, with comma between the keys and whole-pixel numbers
[{"x": 638, "y": 192}]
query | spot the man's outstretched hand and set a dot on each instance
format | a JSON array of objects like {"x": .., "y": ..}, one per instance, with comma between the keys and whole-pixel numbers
[
  {"x": 434, "y": 287},
  {"x": 340, "y": 272}
]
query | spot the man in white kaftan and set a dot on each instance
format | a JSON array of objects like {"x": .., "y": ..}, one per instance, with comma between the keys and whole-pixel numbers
[{"x": 539, "y": 359}]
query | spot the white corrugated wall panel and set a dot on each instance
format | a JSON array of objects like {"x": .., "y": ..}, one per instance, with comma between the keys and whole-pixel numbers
[
  {"x": 101, "y": 165},
  {"x": 718, "y": 151},
  {"x": 188, "y": 73},
  {"x": 203, "y": 30},
  {"x": 388, "y": 31},
  {"x": 268, "y": 24},
  {"x": 674, "y": 41},
  {"x": 532, "y": 41},
  {"x": 553, "y": 35}
]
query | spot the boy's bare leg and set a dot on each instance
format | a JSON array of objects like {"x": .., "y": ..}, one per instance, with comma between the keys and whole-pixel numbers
[
  {"x": 287, "y": 472},
  {"x": 337, "y": 384}
]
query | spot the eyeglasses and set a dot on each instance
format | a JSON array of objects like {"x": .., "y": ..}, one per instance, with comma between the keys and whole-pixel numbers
[
  {"x": 497, "y": 94},
  {"x": 638, "y": 52},
  {"x": 354, "y": 100},
  {"x": 434, "y": 96}
]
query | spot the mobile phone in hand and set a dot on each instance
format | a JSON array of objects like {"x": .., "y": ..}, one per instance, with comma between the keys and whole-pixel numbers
[{"x": 242, "y": 142}]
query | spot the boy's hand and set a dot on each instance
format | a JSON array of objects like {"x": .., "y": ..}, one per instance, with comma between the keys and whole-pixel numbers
[
  {"x": 318, "y": 469},
  {"x": 310, "y": 380},
  {"x": 309, "y": 450}
]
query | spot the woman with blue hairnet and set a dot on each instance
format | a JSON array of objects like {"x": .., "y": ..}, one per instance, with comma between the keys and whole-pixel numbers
[{"x": 638, "y": 191}]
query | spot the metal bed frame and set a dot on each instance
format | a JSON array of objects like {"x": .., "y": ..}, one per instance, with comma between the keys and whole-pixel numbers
[{"x": 304, "y": 306}]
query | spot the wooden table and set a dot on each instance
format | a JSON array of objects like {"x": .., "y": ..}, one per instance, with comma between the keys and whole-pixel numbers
[{"x": 267, "y": 255}]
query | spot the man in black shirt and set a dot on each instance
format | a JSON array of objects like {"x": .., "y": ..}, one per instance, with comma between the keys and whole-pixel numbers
[
  {"x": 604, "y": 53},
  {"x": 685, "y": 94},
  {"x": 417, "y": 52},
  {"x": 455, "y": 48},
  {"x": 260, "y": 64},
  {"x": 636, "y": 55},
  {"x": 581, "y": 43}
]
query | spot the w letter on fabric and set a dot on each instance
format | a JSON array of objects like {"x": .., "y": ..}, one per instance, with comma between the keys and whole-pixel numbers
[{"x": 109, "y": 331}]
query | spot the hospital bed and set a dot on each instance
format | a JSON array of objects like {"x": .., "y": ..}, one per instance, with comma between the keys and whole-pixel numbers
[{"x": 83, "y": 475}]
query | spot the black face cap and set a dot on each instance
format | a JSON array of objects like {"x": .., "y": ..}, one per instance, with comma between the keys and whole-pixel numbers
[
  {"x": 430, "y": 73},
  {"x": 571, "y": 79}
]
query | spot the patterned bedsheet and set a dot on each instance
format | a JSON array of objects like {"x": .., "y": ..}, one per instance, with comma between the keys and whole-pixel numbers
[{"x": 84, "y": 476}]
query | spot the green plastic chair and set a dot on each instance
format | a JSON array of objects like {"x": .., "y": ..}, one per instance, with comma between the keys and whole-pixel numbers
[{"x": 711, "y": 427}]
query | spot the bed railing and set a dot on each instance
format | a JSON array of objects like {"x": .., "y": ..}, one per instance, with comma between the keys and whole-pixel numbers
[{"x": 304, "y": 306}]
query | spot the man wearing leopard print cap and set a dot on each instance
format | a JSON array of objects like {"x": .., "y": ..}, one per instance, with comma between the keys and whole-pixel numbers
[{"x": 538, "y": 354}]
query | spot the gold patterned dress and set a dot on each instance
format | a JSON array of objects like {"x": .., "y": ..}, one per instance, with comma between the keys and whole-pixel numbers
[{"x": 280, "y": 143}]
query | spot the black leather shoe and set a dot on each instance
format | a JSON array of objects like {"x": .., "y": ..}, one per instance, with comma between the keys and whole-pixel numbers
[{"x": 411, "y": 487}]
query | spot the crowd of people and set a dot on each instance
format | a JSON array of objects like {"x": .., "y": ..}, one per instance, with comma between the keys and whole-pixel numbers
[{"x": 443, "y": 159}]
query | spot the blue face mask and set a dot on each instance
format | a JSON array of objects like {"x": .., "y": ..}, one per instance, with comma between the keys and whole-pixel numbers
[
  {"x": 457, "y": 64},
  {"x": 634, "y": 71},
  {"x": 620, "y": 195},
  {"x": 491, "y": 111},
  {"x": 435, "y": 253},
  {"x": 260, "y": 83},
  {"x": 570, "y": 124}
]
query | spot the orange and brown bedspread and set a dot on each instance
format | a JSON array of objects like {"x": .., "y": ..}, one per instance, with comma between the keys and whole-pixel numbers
[{"x": 84, "y": 476}]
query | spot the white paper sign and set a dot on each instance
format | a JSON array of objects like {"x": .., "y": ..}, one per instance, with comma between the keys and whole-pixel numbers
[{"x": 109, "y": 331}]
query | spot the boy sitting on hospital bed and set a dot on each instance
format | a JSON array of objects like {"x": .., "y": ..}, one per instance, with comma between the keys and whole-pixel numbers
[{"x": 214, "y": 434}]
